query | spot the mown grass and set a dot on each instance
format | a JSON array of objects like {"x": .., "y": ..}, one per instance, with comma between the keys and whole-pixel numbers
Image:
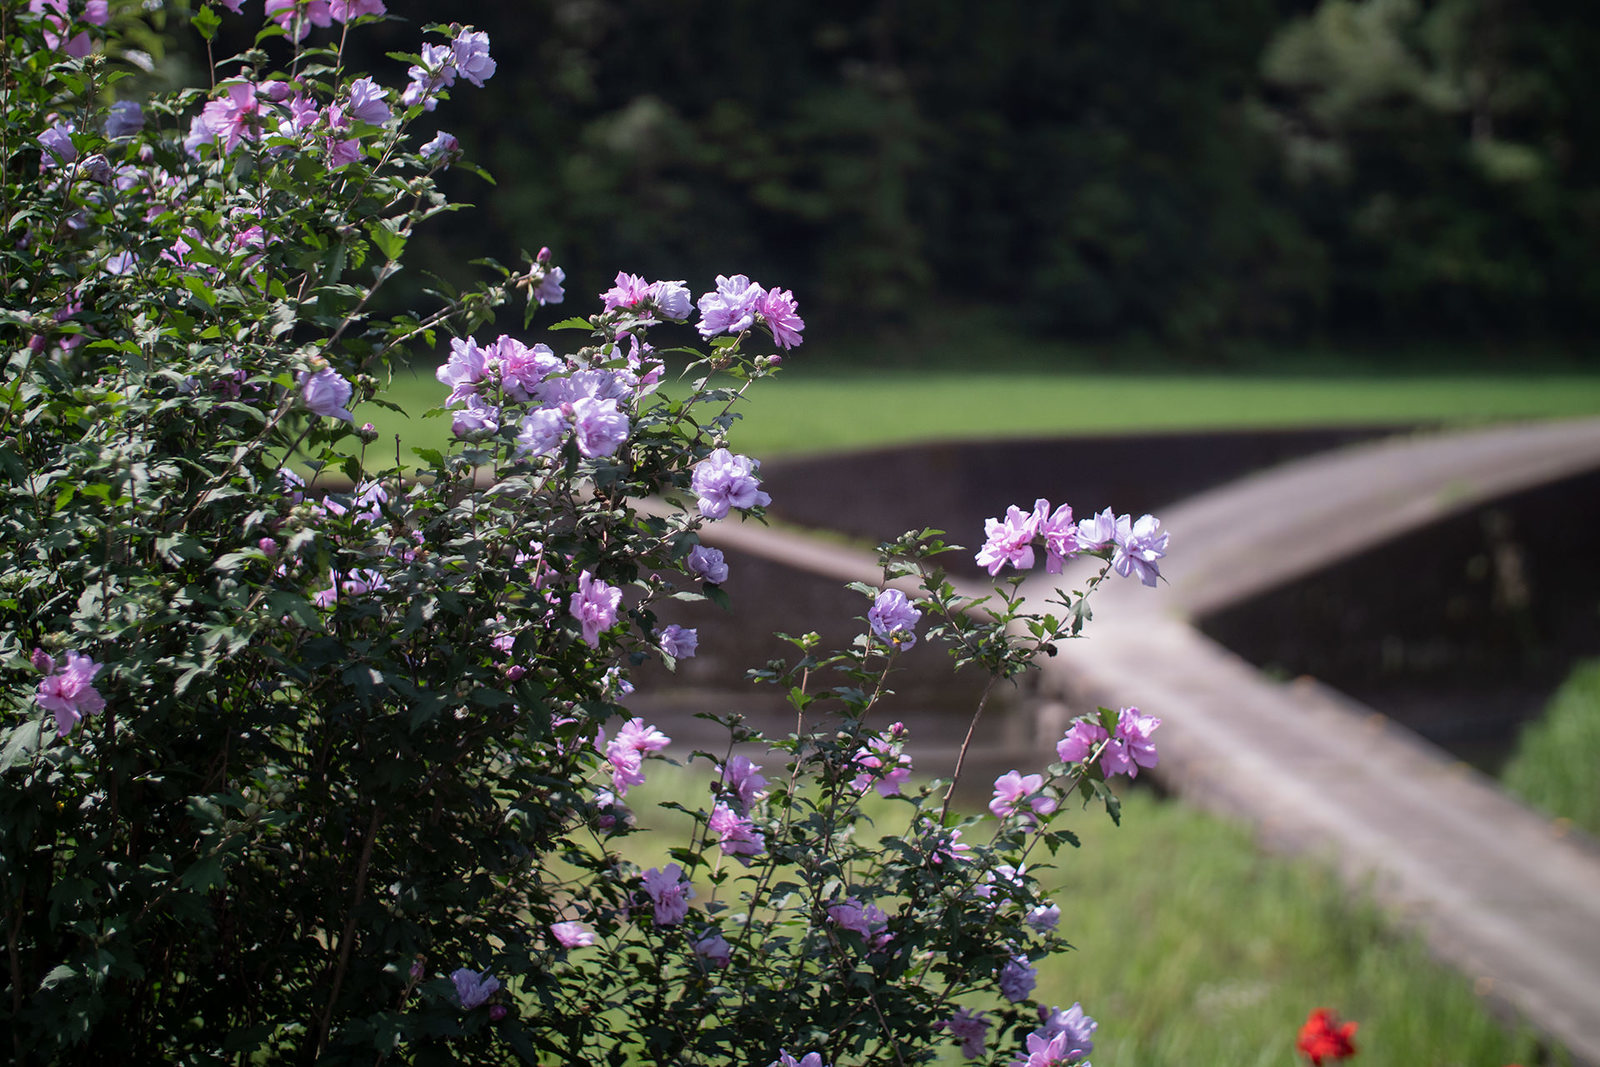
[
  {"x": 828, "y": 407},
  {"x": 1192, "y": 947},
  {"x": 1556, "y": 766}
]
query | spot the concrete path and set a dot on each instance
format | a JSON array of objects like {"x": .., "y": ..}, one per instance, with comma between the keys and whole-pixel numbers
[{"x": 1498, "y": 891}]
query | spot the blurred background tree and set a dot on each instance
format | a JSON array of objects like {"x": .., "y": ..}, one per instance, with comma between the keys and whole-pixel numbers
[{"x": 1188, "y": 174}]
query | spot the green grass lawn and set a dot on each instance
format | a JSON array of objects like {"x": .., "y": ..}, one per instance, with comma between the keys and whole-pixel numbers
[
  {"x": 824, "y": 408},
  {"x": 1192, "y": 947},
  {"x": 1556, "y": 766}
]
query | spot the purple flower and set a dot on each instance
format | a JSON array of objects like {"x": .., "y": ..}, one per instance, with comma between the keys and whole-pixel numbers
[
  {"x": 521, "y": 367},
  {"x": 1017, "y": 979},
  {"x": 298, "y": 16},
  {"x": 740, "y": 777},
  {"x": 735, "y": 834},
  {"x": 714, "y": 949},
  {"x": 349, "y": 584},
  {"x": 472, "y": 988},
  {"x": 627, "y": 750},
  {"x": 678, "y": 642},
  {"x": 810, "y": 1059},
  {"x": 125, "y": 119},
  {"x": 868, "y": 920},
  {"x": 1010, "y": 541},
  {"x": 971, "y": 1028},
  {"x": 463, "y": 371},
  {"x": 777, "y": 309},
  {"x": 707, "y": 564},
  {"x": 349, "y": 10},
  {"x": 1131, "y": 747},
  {"x": 342, "y": 152},
  {"x": 1097, "y": 532},
  {"x": 1073, "y": 1024},
  {"x": 594, "y": 605},
  {"x": 442, "y": 149},
  {"x": 478, "y": 419},
  {"x": 367, "y": 500},
  {"x": 669, "y": 892},
  {"x": 571, "y": 934},
  {"x": 58, "y": 147},
  {"x": 1060, "y": 535},
  {"x": 366, "y": 100},
  {"x": 69, "y": 692},
  {"x": 723, "y": 480},
  {"x": 327, "y": 394},
  {"x": 1139, "y": 545},
  {"x": 881, "y": 763},
  {"x": 671, "y": 299},
  {"x": 437, "y": 71},
  {"x": 1080, "y": 740},
  {"x": 630, "y": 291},
  {"x": 471, "y": 52},
  {"x": 549, "y": 290},
  {"x": 731, "y": 308},
  {"x": 1011, "y": 789},
  {"x": 1052, "y": 1051},
  {"x": 599, "y": 428},
  {"x": 541, "y": 432},
  {"x": 892, "y": 618},
  {"x": 1043, "y": 918}
]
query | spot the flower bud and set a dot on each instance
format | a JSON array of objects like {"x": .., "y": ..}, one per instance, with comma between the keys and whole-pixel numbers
[{"x": 97, "y": 169}]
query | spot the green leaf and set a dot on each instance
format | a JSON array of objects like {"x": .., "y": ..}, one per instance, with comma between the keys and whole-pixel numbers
[
  {"x": 385, "y": 233},
  {"x": 205, "y": 874},
  {"x": 24, "y": 740},
  {"x": 206, "y": 22},
  {"x": 573, "y": 324}
]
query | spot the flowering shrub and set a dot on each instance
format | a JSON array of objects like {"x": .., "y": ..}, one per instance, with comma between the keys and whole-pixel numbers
[{"x": 312, "y": 755}]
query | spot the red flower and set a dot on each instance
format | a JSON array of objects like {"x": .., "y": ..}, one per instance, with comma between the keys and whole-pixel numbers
[{"x": 1323, "y": 1037}]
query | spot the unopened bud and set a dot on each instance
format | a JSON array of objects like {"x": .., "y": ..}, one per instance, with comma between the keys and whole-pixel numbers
[
  {"x": 544, "y": 255},
  {"x": 97, "y": 169}
]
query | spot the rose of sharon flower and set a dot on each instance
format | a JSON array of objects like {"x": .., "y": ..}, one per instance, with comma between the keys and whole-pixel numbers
[
  {"x": 669, "y": 892},
  {"x": 124, "y": 119},
  {"x": 1077, "y": 1027},
  {"x": 740, "y": 777},
  {"x": 1043, "y": 918},
  {"x": 366, "y": 102},
  {"x": 723, "y": 480},
  {"x": 882, "y": 764},
  {"x": 571, "y": 934},
  {"x": 327, "y": 394},
  {"x": 595, "y": 606},
  {"x": 1080, "y": 740},
  {"x": 1047, "y": 1051},
  {"x": 777, "y": 309},
  {"x": 892, "y": 618},
  {"x": 1011, "y": 788},
  {"x": 810, "y": 1059},
  {"x": 472, "y": 57},
  {"x": 714, "y": 949},
  {"x": 68, "y": 692},
  {"x": 1131, "y": 747},
  {"x": 442, "y": 149},
  {"x": 473, "y": 988},
  {"x": 1139, "y": 545},
  {"x": 627, "y": 750},
  {"x": 971, "y": 1028},
  {"x": 731, "y": 308},
  {"x": 598, "y": 427},
  {"x": 1010, "y": 541},
  {"x": 1017, "y": 979},
  {"x": 348, "y": 10},
  {"x": 708, "y": 564},
  {"x": 868, "y": 920},
  {"x": 1323, "y": 1037},
  {"x": 735, "y": 834},
  {"x": 678, "y": 642}
]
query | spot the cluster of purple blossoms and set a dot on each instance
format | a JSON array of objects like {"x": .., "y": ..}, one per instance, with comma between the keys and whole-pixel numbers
[
  {"x": 68, "y": 689},
  {"x": 626, "y": 752},
  {"x": 892, "y": 618},
  {"x": 1121, "y": 752},
  {"x": 1135, "y": 545},
  {"x": 1043, "y": 918},
  {"x": 737, "y": 304},
  {"x": 1012, "y": 789},
  {"x": 723, "y": 480},
  {"x": 882, "y": 764},
  {"x": 467, "y": 56},
  {"x": 298, "y": 16},
  {"x": 669, "y": 300},
  {"x": 669, "y": 892}
]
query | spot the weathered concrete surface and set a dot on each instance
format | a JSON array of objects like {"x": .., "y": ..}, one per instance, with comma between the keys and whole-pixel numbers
[{"x": 1496, "y": 890}]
